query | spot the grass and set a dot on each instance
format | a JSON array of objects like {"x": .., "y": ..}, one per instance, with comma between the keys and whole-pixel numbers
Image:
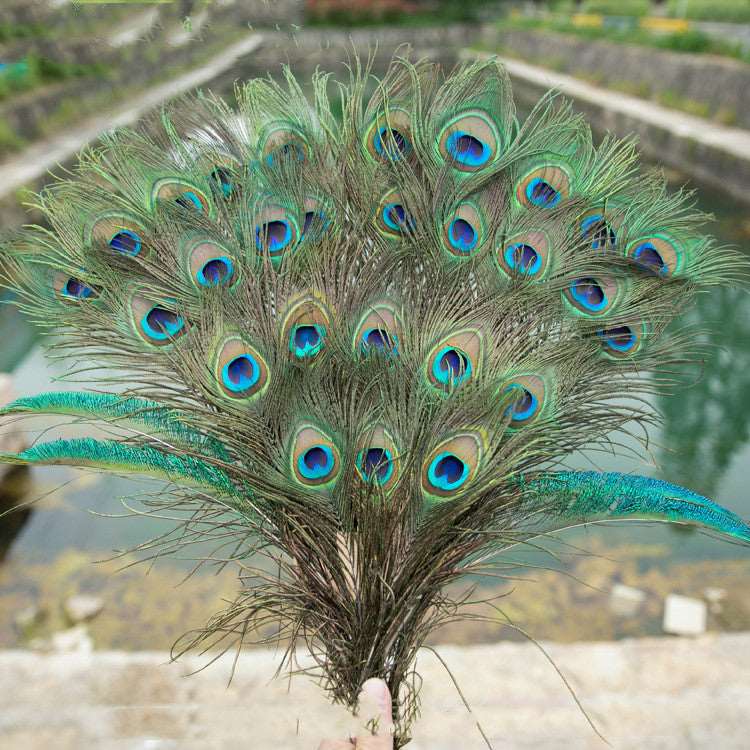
[
  {"x": 674, "y": 100},
  {"x": 731, "y": 11},
  {"x": 36, "y": 71}
]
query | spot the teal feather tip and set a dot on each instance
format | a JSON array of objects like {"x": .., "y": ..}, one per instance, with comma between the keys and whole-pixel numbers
[
  {"x": 108, "y": 455},
  {"x": 118, "y": 409},
  {"x": 592, "y": 496}
]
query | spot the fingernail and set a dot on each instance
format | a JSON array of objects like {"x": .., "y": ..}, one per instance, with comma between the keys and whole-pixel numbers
[{"x": 376, "y": 691}]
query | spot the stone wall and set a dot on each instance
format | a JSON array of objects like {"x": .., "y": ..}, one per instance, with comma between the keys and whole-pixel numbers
[{"x": 709, "y": 86}]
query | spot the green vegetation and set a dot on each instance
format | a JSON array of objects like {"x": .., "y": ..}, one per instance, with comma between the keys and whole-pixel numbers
[
  {"x": 733, "y": 11},
  {"x": 617, "y": 7},
  {"x": 690, "y": 41},
  {"x": 676, "y": 101},
  {"x": 34, "y": 71}
]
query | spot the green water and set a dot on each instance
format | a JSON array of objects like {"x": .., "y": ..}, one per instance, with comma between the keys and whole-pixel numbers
[{"x": 703, "y": 444}]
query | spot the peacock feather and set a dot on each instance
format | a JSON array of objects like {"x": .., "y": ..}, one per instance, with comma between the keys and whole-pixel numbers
[{"x": 369, "y": 340}]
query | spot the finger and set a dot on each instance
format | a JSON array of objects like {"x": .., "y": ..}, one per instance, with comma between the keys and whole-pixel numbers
[
  {"x": 336, "y": 745},
  {"x": 375, "y": 709}
]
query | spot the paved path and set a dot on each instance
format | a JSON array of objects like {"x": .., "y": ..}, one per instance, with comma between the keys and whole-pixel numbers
[
  {"x": 650, "y": 694},
  {"x": 40, "y": 157}
]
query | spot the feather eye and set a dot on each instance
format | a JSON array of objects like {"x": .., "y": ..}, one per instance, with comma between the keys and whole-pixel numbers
[
  {"x": 658, "y": 254},
  {"x": 470, "y": 141},
  {"x": 393, "y": 217},
  {"x": 544, "y": 187},
  {"x": 389, "y": 137},
  {"x": 315, "y": 459},
  {"x": 210, "y": 264},
  {"x": 597, "y": 230},
  {"x": 282, "y": 143},
  {"x": 525, "y": 255},
  {"x": 528, "y": 395},
  {"x": 72, "y": 289},
  {"x": 182, "y": 193},
  {"x": 377, "y": 458},
  {"x": 276, "y": 232},
  {"x": 378, "y": 332},
  {"x": 240, "y": 370},
  {"x": 622, "y": 340},
  {"x": 156, "y": 323},
  {"x": 593, "y": 296},
  {"x": 452, "y": 465},
  {"x": 120, "y": 232},
  {"x": 305, "y": 328},
  {"x": 454, "y": 360},
  {"x": 464, "y": 231}
]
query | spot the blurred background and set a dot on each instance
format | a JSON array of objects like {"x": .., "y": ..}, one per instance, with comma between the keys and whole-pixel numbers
[{"x": 675, "y": 72}]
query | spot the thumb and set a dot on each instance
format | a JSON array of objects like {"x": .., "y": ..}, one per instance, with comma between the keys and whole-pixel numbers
[{"x": 375, "y": 709}]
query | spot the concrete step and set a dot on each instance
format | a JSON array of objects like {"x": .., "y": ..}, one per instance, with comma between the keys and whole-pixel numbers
[{"x": 665, "y": 694}]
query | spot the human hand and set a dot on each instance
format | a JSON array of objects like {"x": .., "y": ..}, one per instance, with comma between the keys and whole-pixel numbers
[{"x": 376, "y": 714}]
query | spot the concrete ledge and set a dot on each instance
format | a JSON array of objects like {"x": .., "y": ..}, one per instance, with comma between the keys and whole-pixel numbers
[{"x": 651, "y": 693}]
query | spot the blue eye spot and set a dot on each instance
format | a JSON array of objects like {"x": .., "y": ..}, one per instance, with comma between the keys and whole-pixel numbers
[
  {"x": 648, "y": 256},
  {"x": 619, "y": 338},
  {"x": 391, "y": 143},
  {"x": 397, "y": 218},
  {"x": 542, "y": 194},
  {"x": 525, "y": 406},
  {"x": 127, "y": 242},
  {"x": 589, "y": 295},
  {"x": 451, "y": 366},
  {"x": 160, "y": 324},
  {"x": 379, "y": 340},
  {"x": 216, "y": 272},
  {"x": 595, "y": 230},
  {"x": 240, "y": 373},
  {"x": 463, "y": 237},
  {"x": 189, "y": 199},
  {"x": 77, "y": 289},
  {"x": 316, "y": 462},
  {"x": 375, "y": 463},
  {"x": 447, "y": 471},
  {"x": 468, "y": 150},
  {"x": 306, "y": 340},
  {"x": 523, "y": 258},
  {"x": 275, "y": 235}
]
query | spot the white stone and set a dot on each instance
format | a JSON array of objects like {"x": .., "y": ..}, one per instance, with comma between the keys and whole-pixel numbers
[
  {"x": 73, "y": 641},
  {"x": 82, "y": 607},
  {"x": 626, "y": 601},
  {"x": 684, "y": 615}
]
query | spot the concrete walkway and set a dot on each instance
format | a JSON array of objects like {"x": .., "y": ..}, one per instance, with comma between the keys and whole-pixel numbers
[
  {"x": 665, "y": 694},
  {"x": 40, "y": 157}
]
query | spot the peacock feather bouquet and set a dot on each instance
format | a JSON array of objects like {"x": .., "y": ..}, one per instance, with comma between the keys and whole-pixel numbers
[{"x": 361, "y": 342}]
